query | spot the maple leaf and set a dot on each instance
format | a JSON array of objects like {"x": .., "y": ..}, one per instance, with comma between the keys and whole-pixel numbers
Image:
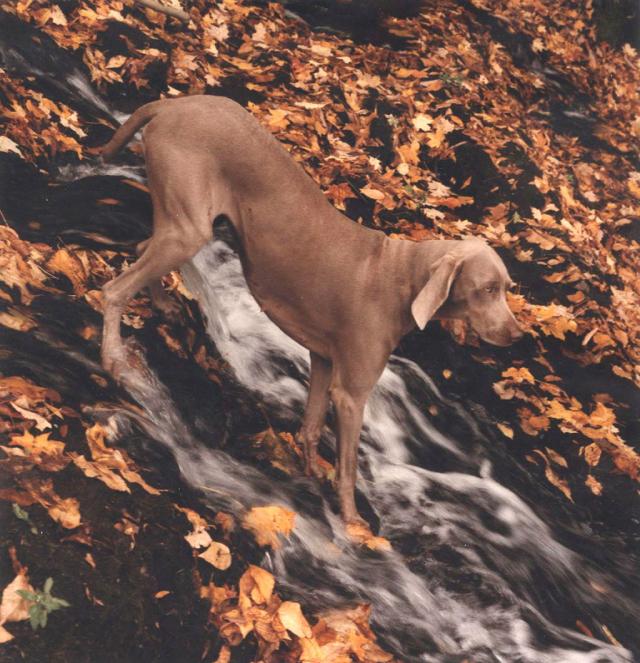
[
  {"x": 39, "y": 445},
  {"x": 268, "y": 522}
]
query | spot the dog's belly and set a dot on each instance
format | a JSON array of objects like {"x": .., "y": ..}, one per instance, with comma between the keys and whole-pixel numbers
[{"x": 294, "y": 324}]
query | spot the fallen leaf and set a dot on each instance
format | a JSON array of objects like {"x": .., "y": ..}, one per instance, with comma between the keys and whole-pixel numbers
[
  {"x": 7, "y": 145},
  {"x": 372, "y": 193},
  {"x": 256, "y": 585},
  {"x": 40, "y": 421},
  {"x": 268, "y": 522},
  {"x": 14, "y": 608},
  {"x": 290, "y": 614},
  {"x": 594, "y": 485},
  {"x": 361, "y": 534},
  {"x": 218, "y": 555}
]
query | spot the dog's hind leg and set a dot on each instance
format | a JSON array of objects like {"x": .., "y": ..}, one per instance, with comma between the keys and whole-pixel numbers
[
  {"x": 315, "y": 412},
  {"x": 164, "y": 253},
  {"x": 160, "y": 298}
]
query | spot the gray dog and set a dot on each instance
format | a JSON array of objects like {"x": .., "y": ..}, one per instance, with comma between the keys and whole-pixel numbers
[{"x": 345, "y": 292}]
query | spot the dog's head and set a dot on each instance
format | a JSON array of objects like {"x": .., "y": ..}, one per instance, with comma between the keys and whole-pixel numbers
[{"x": 470, "y": 284}]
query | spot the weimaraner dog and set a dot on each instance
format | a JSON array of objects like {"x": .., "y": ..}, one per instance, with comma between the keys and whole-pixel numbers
[{"x": 346, "y": 293}]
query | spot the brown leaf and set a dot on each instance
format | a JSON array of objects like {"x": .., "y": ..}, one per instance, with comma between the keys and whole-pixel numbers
[
  {"x": 67, "y": 263},
  {"x": 218, "y": 555}
]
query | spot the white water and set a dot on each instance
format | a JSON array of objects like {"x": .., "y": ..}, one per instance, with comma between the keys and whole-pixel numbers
[{"x": 499, "y": 541}]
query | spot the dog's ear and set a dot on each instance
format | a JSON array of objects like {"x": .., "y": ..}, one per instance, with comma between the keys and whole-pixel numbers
[{"x": 434, "y": 294}]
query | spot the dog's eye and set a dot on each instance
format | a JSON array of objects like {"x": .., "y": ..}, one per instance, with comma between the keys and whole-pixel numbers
[{"x": 491, "y": 289}]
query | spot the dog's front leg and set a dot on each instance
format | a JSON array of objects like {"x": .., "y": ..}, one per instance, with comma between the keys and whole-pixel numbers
[
  {"x": 315, "y": 413},
  {"x": 356, "y": 369},
  {"x": 349, "y": 408}
]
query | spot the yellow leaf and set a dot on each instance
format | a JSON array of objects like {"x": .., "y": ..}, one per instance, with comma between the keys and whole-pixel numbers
[
  {"x": 277, "y": 118},
  {"x": 14, "y": 608},
  {"x": 633, "y": 184},
  {"x": 39, "y": 445},
  {"x": 198, "y": 539},
  {"x": 41, "y": 422},
  {"x": 319, "y": 49},
  {"x": 422, "y": 122},
  {"x": 218, "y": 555},
  {"x": 66, "y": 512},
  {"x": 519, "y": 375},
  {"x": 267, "y": 522},
  {"x": 594, "y": 485},
  {"x": 99, "y": 471},
  {"x": 7, "y": 145},
  {"x": 361, "y": 534},
  {"x": 57, "y": 17},
  {"x": 556, "y": 457},
  {"x": 15, "y": 319},
  {"x": 374, "y": 194},
  {"x": 507, "y": 431},
  {"x": 592, "y": 453},
  {"x": 224, "y": 656},
  {"x": 256, "y": 585},
  {"x": 65, "y": 262},
  {"x": 293, "y": 620}
]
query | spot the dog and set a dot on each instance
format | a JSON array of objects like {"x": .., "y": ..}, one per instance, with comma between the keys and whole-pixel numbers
[{"x": 345, "y": 292}]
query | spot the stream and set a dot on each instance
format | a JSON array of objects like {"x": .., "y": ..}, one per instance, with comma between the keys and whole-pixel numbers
[{"x": 480, "y": 595}]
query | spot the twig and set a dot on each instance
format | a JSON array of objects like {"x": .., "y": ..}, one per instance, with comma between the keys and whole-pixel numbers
[{"x": 164, "y": 9}]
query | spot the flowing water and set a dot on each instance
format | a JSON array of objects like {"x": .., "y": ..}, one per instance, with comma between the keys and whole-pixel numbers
[{"x": 463, "y": 578}]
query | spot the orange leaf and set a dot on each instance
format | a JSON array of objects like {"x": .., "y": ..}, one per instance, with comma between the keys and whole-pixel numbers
[
  {"x": 267, "y": 522},
  {"x": 293, "y": 620},
  {"x": 218, "y": 555}
]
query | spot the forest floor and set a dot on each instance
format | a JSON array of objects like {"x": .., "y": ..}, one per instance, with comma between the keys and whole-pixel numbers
[{"x": 509, "y": 121}]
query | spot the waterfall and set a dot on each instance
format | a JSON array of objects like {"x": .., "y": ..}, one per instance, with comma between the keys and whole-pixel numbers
[{"x": 479, "y": 596}]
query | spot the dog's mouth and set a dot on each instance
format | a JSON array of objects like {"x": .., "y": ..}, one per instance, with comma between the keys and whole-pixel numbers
[{"x": 502, "y": 340}]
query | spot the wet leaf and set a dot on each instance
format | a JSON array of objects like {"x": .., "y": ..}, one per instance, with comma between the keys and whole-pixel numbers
[
  {"x": 290, "y": 614},
  {"x": 218, "y": 555},
  {"x": 269, "y": 522}
]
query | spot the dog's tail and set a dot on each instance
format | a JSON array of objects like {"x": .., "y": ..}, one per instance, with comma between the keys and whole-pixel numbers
[{"x": 126, "y": 132}]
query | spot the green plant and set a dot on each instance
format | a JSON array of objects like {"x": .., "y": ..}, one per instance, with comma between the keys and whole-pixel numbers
[
  {"x": 21, "y": 514},
  {"x": 42, "y": 604}
]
